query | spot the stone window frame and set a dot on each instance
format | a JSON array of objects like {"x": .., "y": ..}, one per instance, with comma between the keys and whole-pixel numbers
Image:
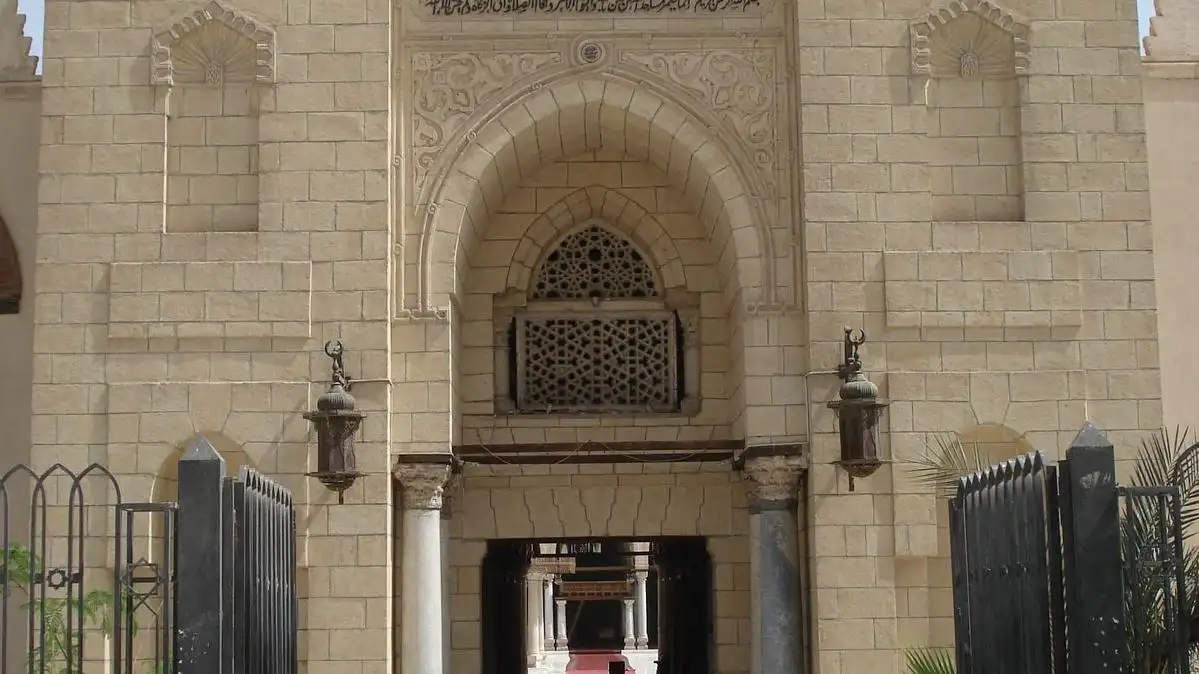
[{"x": 514, "y": 305}]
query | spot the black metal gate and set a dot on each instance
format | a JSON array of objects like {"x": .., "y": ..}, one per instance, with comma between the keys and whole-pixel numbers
[
  {"x": 1044, "y": 568},
  {"x": 92, "y": 583}
]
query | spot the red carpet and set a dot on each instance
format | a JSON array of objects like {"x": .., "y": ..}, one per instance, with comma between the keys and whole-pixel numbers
[{"x": 596, "y": 662}]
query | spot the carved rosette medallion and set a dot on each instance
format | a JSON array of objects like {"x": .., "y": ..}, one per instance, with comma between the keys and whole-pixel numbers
[
  {"x": 423, "y": 484},
  {"x": 450, "y": 86},
  {"x": 738, "y": 86},
  {"x": 775, "y": 478}
]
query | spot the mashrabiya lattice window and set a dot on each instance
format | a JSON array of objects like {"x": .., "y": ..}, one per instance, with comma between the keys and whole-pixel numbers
[{"x": 596, "y": 335}]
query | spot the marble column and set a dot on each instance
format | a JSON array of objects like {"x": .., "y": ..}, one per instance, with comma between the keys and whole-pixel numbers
[
  {"x": 560, "y": 638},
  {"x": 446, "y": 516},
  {"x": 630, "y": 639},
  {"x": 774, "y": 564},
  {"x": 422, "y": 646},
  {"x": 641, "y": 597},
  {"x": 547, "y": 608},
  {"x": 534, "y": 597}
]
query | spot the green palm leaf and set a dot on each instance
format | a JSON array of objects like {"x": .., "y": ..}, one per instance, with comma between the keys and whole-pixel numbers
[
  {"x": 945, "y": 461},
  {"x": 930, "y": 661}
]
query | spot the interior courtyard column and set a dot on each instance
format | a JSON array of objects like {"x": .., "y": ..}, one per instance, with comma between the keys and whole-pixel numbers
[
  {"x": 422, "y": 646},
  {"x": 630, "y": 638},
  {"x": 547, "y": 606},
  {"x": 774, "y": 563},
  {"x": 534, "y": 618},
  {"x": 641, "y": 597},
  {"x": 560, "y": 624},
  {"x": 447, "y": 514}
]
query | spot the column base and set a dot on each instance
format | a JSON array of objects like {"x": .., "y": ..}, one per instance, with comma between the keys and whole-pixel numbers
[
  {"x": 560, "y": 645},
  {"x": 630, "y": 642},
  {"x": 643, "y": 644}
]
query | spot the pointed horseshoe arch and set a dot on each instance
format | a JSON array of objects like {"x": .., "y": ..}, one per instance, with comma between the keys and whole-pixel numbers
[
  {"x": 10, "y": 273},
  {"x": 572, "y": 116}
]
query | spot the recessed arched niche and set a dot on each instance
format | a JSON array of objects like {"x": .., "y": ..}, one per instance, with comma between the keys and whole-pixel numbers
[{"x": 973, "y": 54}]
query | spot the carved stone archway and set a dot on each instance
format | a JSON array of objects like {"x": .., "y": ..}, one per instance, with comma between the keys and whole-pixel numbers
[
  {"x": 11, "y": 283},
  {"x": 551, "y": 123}
]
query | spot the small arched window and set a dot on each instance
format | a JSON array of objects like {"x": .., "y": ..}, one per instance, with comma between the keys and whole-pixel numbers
[{"x": 595, "y": 333}]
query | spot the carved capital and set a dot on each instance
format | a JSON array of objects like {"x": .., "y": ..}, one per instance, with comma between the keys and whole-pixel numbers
[
  {"x": 775, "y": 478},
  {"x": 423, "y": 484}
]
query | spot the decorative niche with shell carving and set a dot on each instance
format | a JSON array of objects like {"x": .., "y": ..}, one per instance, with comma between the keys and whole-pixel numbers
[
  {"x": 973, "y": 53},
  {"x": 213, "y": 60}
]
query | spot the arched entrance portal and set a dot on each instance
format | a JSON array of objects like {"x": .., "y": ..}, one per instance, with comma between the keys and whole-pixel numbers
[{"x": 579, "y": 605}]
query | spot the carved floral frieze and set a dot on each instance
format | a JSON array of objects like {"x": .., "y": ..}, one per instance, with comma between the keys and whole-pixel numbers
[
  {"x": 448, "y": 87},
  {"x": 471, "y": 8},
  {"x": 737, "y": 86}
]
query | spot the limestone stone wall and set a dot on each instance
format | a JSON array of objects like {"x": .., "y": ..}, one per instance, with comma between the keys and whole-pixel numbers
[
  {"x": 1170, "y": 78},
  {"x": 20, "y": 110},
  {"x": 964, "y": 181},
  {"x": 624, "y": 499}
]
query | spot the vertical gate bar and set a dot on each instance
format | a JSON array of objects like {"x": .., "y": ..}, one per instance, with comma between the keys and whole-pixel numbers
[
  {"x": 228, "y": 572},
  {"x": 118, "y": 629},
  {"x": 1179, "y": 555},
  {"x": 1069, "y": 579},
  {"x": 1051, "y": 535},
  {"x": 129, "y": 605},
  {"x": 73, "y": 590},
  {"x": 293, "y": 599},
  {"x": 37, "y": 581},
  {"x": 1009, "y": 646},
  {"x": 961, "y": 587},
  {"x": 167, "y": 580},
  {"x": 1161, "y": 544},
  {"x": 253, "y": 490},
  {"x": 241, "y": 636},
  {"x": 990, "y": 596},
  {"x": 6, "y": 535},
  {"x": 996, "y": 662},
  {"x": 977, "y": 555},
  {"x": 276, "y": 566},
  {"x": 1021, "y": 578}
]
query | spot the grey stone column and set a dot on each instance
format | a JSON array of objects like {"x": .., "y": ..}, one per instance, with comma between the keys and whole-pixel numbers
[
  {"x": 774, "y": 564},
  {"x": 422, "y": 646},
  {"x": 547, "y": 612},
  {"x": 447, "y": 514}
]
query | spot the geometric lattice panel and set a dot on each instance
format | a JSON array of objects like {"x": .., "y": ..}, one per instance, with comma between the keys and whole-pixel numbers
[
  {"x": 597, "y": 362},
  {"x": 594, "y": 263}
]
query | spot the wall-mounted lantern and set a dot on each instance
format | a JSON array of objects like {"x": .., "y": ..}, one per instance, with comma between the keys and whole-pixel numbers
[
  {"x": 336, "y": 422},
  {"x": 858, "y": 411}
]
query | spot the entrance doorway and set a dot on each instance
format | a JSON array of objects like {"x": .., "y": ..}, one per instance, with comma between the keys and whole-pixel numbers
[{"x": 574, "y": 606}]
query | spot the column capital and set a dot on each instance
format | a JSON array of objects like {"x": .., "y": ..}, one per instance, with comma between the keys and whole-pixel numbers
[
  {"x": 423, "y": 480},
  {"x": 775, "y": 477}
]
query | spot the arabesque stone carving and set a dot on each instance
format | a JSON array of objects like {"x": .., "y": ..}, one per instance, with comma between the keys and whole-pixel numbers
[
  {"x": 214, "y": 46},
  {"x": 739, "y": 87},
  {"x": 423, "y": 484},
  {"x": 776, "y": 478},
  {"x": 970, "y": 38},
  {"x": 450, "y": 86}
]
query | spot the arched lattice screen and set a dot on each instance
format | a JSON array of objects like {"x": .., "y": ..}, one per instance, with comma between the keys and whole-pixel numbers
[
  {"x": 594, "y": 263},
  {"x": 595, "y": 336},
  {"x": 10, "y": 273}
]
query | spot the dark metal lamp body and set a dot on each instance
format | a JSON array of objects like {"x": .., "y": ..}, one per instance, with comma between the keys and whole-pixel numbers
[
  {"x": 336, "y": 422},
  {"x": 858, "y": 409}
]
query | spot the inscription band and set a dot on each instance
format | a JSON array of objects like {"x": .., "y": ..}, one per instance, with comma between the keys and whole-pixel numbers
[{"x": 485, "y": 7}]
